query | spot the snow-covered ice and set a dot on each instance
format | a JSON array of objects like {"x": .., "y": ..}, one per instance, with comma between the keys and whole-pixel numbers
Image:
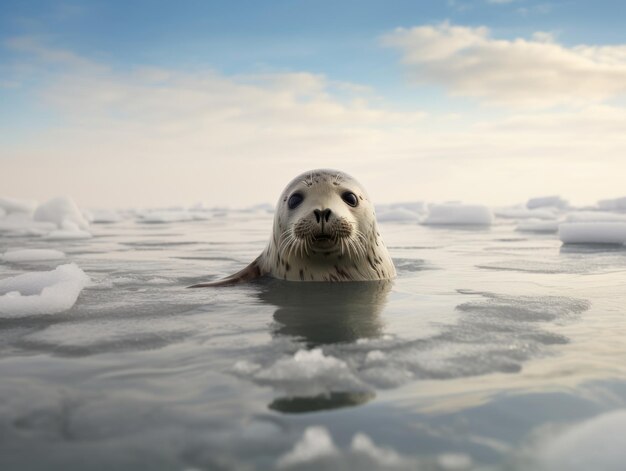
[
  {"x": 459, "y": 214},
  {"x": 615, "y": 204},
  {"x": 398, "y": 215},
  {"x": 595, "y": 216},
  {"x": 38, "y": 293},
  {"x": 172, "y": 215},
  {"x": 593, "y": 232},
  {"x": 105, "y": 216},
  {"x": 519, "y": 212},
  {"x": 59, "y": 211},
  {"x": 16, "y": 205},
  {"x": 554, "y": 201}
]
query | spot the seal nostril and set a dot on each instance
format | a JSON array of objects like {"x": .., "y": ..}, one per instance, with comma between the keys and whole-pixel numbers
[{"x": 324, "y": 214}]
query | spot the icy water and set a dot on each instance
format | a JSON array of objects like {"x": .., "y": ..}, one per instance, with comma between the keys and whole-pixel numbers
[{"x": 491, "y": 350}]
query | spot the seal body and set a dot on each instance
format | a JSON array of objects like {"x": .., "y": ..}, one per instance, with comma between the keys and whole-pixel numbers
[{"x": 324, "y": 230}]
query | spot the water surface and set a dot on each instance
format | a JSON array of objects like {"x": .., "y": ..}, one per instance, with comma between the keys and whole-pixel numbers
[{"x": 488, "y": 349}]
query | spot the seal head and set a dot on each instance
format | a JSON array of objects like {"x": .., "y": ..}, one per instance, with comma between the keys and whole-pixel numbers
[{"x": 324, "y": 230}]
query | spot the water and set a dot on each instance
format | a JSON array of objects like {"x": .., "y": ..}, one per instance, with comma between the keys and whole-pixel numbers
[{"x": 485, "y": 353}]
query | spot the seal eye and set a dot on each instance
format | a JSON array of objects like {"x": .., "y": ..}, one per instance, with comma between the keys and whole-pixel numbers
[
  {"x": 295, "y": 200},
  {"x": 350, "y": 198}
]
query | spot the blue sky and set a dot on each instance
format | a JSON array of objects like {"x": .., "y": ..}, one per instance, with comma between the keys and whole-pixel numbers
[{"x": 75, "y": 79}]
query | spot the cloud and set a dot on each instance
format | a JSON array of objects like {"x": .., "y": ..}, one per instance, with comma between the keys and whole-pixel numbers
[
  {"x": 532, "y": 73},
  {"x": 161, "y": 136}
]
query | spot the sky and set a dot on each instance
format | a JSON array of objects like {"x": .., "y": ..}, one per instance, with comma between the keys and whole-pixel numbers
[{"x": 149, "y": 103}]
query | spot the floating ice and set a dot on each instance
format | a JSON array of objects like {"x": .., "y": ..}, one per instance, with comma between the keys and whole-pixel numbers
[
  {"x": 547, "y": 201},
  {"x": 398, "y": 215},
  {"x": 105, "y": 216},
  {"x": 307, "y": 373},
  {"x": 418, "y": 207},
  {"x": 459, "y": 214},
  {"x": 23, "y": 224},
  {"x": 597, "y": 443},
  {"x": 41, "y": 292},
  {"x": 525, "y": 213},
  {"x": 616, "y": 204},
  {"x": 533, "y": 225},
  {"x": 31, "y": 255},
  {"x": 595, "y": 216},
  {"x": 15, "y": 205},
  {"x": 172, "y": 215},
  {"x": 593, "y": 232},
  {"x": 68, "y": 231},
  {"x": 60, "y": 211}
]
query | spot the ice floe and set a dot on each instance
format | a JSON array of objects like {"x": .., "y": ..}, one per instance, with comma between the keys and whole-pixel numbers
[
  {"x": 616, "y": 204},
  {"x": 15, "y": 205},
  {"x": 22, "y": 224},
  {"x": 595, "y": 216},
  {"x": 593, "y": 233},
  {"x": 46, "y": 292},
  {"x": 172, "y": 215},
  {"x": 398, "y": 215},
  {"x": 518, "y": 212},
  {"x": 307, "y": 373},
  {"x": 61, "y": 210},
  {"x": 31, "y": 255},
  {"x": 105, "y": 216},
  {"x": 459, "y": 214},
  {"x": 547, "y": 201}
]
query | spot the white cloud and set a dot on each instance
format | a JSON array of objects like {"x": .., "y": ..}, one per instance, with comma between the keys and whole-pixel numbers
[
  {"x": 536, "y": 72},
  {"x": 158, "y": 136}
]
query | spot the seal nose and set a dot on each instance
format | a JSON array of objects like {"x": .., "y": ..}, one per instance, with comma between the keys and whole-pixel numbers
[{"x": 322, "y": 215}]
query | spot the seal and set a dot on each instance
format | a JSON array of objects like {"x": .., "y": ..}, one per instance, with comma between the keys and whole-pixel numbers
[{"x": 324, "y": 230}]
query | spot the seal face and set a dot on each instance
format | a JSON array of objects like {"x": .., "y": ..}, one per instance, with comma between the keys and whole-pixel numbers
[{"x": 324, "y": 230}]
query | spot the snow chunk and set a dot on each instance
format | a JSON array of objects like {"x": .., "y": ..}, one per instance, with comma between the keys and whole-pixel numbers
[
  {"x": 616, "y": 204},
  {"x": 593, "y": 232},
  {"x": 525, "y": 213},
  {"x": 307, "y": 373},
  {"x": 459, "y": 214},
  {"x": 167, "y": 216},
  {"x": 105, "y": 216},
  {"x": 597, "y": 443},
  {"x": 547, "y": 201},
  {"x": 315, "y": 443},
  {"x": 534, "y": 225},
  {"x": 398, "y": 215},
  {"x": 31, "y": 255},
  {"x": 14, "y": 205},
  {"x": 68, "y": 231},
  {"x": 60, "y": 211},
  {"x": 23, "y": 224},
  {"x": 41, "y": 292},
  {"x": 595, "y": 216}
]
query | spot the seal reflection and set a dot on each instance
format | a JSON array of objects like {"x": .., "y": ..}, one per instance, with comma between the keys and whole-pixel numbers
[{"x": 321, "y": 314}]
